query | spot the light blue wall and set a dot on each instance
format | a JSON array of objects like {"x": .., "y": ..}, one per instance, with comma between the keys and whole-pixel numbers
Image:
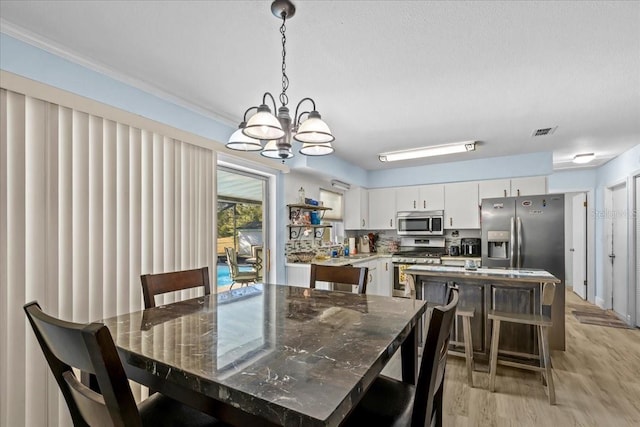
[{"x": 31, "y": 62}]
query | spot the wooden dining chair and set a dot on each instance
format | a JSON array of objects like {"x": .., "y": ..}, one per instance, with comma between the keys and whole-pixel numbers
[
  {"x": 390, "y": 402},
  {"x": 156, "y": 284},
  {"x": 90, "y": 348},
  {"x": 542, "y": 323},
  {"x": 340, "y": 274}
]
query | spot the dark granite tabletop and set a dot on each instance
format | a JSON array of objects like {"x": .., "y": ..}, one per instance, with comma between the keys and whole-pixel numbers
[{"x": 293, "y": 356}]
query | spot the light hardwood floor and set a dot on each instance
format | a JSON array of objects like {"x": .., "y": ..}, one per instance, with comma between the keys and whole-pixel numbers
[{"x": 597, "y": 381}]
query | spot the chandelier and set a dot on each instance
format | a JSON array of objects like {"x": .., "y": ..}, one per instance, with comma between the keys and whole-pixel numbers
[{"x": 272, "y": 134}]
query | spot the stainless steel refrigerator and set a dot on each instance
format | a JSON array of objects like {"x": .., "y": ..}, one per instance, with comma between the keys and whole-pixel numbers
[{"x": 527, "y": 232}]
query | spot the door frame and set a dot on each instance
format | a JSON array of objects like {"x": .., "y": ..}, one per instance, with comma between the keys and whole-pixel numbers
[
  {"x": 629, "y": 183},
  {"x": 591, "y": 238},
  {"x": 570, "y": 239}
]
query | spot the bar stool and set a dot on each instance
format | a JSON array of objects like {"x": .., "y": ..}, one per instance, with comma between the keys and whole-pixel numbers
[
  {"x": 542, "y": 322},
  {"x": 466, "y": 314}
]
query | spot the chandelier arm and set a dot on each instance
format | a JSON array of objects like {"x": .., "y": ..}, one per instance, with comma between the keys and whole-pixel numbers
[
  {"x": 264, "y": 100},
  {"x": 247, "y": 112},
  {"x": 295, "y": 117},
  {"x": 297, "y": 123}
]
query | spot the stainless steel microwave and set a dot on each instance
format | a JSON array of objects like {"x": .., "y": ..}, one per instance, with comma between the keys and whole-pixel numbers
[{"x": 420, "y": 223}]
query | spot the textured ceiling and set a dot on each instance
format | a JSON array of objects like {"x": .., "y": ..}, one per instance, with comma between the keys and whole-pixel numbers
[{"x": 385, "y": 75}]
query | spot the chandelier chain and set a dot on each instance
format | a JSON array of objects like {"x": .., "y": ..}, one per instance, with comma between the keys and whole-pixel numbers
[{"x": 284, "y": 99}]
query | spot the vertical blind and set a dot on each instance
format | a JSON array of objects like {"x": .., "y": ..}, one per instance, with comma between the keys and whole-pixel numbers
[{"x": 87, "y": 205}]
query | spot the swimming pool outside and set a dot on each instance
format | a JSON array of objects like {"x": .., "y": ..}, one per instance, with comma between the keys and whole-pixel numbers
[{"x": 224, "y": 278}]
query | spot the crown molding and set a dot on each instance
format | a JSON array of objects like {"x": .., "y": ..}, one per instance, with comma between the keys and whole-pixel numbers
[{"x": 40, "y": 42}]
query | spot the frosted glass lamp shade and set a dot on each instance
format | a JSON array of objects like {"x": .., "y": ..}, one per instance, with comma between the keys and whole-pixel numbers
[
  {"x": 316, "y": 149},
  {"x": 263, "y": 125},
  {"x": 241, "y": 142},
  {"x": 314, "y": 130},
  {"x": 272, "y": 151}
]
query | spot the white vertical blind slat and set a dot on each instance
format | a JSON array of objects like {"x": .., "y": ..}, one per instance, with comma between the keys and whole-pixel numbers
[
  {"x": 110, "y": 215},
  {"x": 96, "y": 219},
  {"x": 134, "y": 208},
  {"x": 35, "y": 263},
  {"x": 15, "y": 321},
  {"x": 80, "y": 216},
  {"x": 122, "y": 218},
  {"x": 4, "y": 350}
]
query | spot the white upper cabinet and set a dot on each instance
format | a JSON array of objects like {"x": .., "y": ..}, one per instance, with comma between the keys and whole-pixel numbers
[
  {"x": 461, "y": 205},
  {"x": 494, "y": 188},
  {"x": 512, "y": 187},
  {"x": 529, "y": 186},
  {"x": 356, "y": 209},
  {"x": 382, "y": 209},
  {"x": 420, "y": 198},
  {"x": 431, "y": 197}
]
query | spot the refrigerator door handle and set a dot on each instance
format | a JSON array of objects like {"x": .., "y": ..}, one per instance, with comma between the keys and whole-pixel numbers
[
  {"x": 512, "y": 244},
  {"x": 519, "y": 243}
]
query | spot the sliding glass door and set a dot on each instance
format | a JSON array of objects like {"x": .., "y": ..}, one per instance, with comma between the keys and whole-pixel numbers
[{"x": 242, "y": 227}]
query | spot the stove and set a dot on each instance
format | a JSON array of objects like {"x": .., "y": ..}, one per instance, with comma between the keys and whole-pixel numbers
[{"x": 414, "y": 251}]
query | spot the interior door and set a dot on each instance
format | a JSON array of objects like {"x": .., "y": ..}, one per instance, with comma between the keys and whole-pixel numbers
[
  {"x": 618, "y": 254},
  {"x": 579, "y": 245}
]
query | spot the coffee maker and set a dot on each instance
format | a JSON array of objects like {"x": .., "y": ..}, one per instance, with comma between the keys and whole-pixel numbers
[{"x": 470, "y": 247}]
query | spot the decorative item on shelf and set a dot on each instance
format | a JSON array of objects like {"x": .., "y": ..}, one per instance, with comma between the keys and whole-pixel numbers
[
  {"x": 276, "y": 131},
  {"x": 315, "y": 218},
  {"x": 301, "y": 197}
]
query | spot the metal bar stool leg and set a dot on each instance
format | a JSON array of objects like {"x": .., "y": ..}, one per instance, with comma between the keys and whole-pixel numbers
[{"x": 551, "y": 392}]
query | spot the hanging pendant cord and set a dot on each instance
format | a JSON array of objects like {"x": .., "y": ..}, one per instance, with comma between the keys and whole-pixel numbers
[{"x": 284, "y": 99}]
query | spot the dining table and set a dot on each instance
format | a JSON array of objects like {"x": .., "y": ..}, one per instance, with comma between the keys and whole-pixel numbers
[{"x": 269, "y": 354}]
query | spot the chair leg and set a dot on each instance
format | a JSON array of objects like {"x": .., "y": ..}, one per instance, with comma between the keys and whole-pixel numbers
[
  {"x": 495, "y": 337},
  {"x": 541, "y": 355},
  {"x": 437, "y": 406},
  {"x": 468, "y": 348},
  {"x": 547, "y": 364}
]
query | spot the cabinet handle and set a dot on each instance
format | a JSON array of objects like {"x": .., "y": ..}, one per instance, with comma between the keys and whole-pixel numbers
[
  {"x": 424, "y": 204},
  {"x": 391, "y": 223},
  {"x": 505, "y": 193},
  {"x": 414, "y": 204},
  {"x": 363, "y": 222},
  {"x": 386, "y": 266},
  {"x": 518, "y": 192},
  {"x": 450, "y": 221}
]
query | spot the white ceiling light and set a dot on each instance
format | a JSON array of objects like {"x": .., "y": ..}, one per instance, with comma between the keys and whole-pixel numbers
[
  {"x": 278, "y": 130},
  {"x": 583, "y": 158},
  {"x": 434, "y": 150}
]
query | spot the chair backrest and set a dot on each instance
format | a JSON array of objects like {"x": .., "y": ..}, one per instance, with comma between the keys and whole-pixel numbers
[
  {"x": 548, "y": 295},
  {"x": 434, "y": 359},
  {"x": 340, "y": 274},
  {"x": 156, "y": 284},
  {"x": 91, "y": 349},
  {"x": 232, "y": 261}
]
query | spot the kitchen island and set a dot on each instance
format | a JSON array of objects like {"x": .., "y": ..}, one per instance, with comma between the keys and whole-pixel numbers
[{"x": 484, "y": 289}]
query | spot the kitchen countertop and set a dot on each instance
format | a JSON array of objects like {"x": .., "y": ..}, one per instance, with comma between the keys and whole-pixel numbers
[
  {"x": 523, "y": 275},
  {"x": 343, "y": 260}
]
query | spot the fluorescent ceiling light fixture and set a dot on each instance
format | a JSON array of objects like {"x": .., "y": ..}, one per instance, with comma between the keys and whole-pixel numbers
[
  {"x": 340, "y": 185},
  {"x": 434, "y": 150},
  {"x": 583, "y": 158}
]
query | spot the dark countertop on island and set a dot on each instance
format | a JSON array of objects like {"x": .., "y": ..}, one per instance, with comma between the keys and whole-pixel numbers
[{"x": 521, "y": 275}]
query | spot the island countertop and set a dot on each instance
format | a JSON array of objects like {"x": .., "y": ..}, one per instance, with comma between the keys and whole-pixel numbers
[{"x": 514, "y": 275}]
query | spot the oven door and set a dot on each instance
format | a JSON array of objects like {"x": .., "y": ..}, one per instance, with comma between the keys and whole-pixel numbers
[{"x": 400, "y": 284}]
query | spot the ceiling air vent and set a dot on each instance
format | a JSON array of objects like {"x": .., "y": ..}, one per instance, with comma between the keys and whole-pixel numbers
[{"x": 544, "y": 131}]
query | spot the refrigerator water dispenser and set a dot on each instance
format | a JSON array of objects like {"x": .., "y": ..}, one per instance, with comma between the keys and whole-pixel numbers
[{"x": 499, "y": 242}]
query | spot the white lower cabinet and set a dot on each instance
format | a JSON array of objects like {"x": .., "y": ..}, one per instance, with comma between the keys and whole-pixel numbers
[
  {"x": 298, "y": 274},
  {"x": 385, "y": 277}
]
